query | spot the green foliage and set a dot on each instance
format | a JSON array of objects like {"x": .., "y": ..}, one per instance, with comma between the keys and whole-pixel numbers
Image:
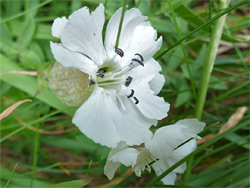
[{"x": 40, "y": 136}]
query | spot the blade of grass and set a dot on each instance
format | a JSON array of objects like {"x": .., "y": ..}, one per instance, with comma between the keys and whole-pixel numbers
[
  {"x": 210, "y": 13},
  {"x": 87, "y": 173},
  {"x": 183, "y": 49},
  {"x": 13, "y": 171},
  {"x": 199, "y": 149},
  {"x": 36, "y": 142},
  {"x": 209, "y": 61},
  {"x": 236, "y": 5},
  {"x": 24, "y": 127},
  {"x": 224, "y": 95},
  {"x": 120, "y": 24},
  {"x": 24, "y": 12},
  {"x": 238, "y": 51}
]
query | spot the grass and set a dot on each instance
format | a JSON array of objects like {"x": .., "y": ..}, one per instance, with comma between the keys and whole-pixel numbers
[{"x": 70, "y": 159}]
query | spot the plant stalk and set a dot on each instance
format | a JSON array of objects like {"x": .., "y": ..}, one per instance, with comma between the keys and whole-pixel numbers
[
  {"x": 209, "y": 61},
  {"x": 183, "y": 48},
  {"x": 120, "y": 25}
]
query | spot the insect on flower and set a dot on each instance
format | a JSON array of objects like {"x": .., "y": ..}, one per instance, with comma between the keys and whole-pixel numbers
[{"x": 115, "y": 88}]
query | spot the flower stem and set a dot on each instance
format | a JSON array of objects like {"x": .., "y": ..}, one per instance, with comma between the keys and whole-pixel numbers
[
  {"x": 120, "y": 25},
  {"x": 206, "y": 72},
  {"x": 209, "y": 61},
  {"x": 11, "y": 176},
  {"x": 183, "y": 48}
]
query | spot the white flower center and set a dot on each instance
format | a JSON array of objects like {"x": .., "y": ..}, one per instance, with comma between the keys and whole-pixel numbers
[{"x": 113, "y": 76}]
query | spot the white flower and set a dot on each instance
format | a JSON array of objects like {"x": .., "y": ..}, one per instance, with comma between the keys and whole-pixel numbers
[
  {"x": 115, "y": 89},
  {"x": 163, "y": 149}
]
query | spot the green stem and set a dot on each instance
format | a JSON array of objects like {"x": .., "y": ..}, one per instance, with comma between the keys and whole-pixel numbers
[
  {"x": 183, "y": 48},
  {"x": 210, "y": 13},
  {"x": 11, "y": 176},
  {"x": 120, "y": 25},
  {"x": 209, "y": 61},
  {"x": 36, "y": 143},
  {"x": 25, "y": 12}
]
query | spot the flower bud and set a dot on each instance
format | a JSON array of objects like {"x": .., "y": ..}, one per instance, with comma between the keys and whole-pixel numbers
[{"x": 70, "y": 85}]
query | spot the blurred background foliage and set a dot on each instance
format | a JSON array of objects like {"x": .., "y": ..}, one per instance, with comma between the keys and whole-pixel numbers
[{"x": 40, "y": 147}]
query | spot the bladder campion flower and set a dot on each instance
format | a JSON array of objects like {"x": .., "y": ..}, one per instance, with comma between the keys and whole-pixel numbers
[
  {"x": 114, "y": 88},
  {"x": 167, "y": 146}
]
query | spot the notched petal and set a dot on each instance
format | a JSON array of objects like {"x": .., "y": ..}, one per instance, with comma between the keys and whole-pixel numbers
[{"x": 70, "y": 85}]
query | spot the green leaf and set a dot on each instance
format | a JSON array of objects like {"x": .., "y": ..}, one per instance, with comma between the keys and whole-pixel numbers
[
  {"x": 13, "y": 7},
  {"x": 5, "y": 32},
  {"x": 70, "y": 184},
  {"x": 18, "y": 180},
  {"x": 183, "y": 97},
  {"x": 28, "y": 84},
  {"x": 34, "y": 54},
  {"x": 42, "y": 31},
  {"x": 27, "y": 32},
  {"x": 217, "y": 85},
  {"x": 175, "y": 59}
]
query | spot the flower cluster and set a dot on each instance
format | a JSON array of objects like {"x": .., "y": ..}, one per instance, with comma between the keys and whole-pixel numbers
[
  {"x": 116, "y": 90},
  {"x": 167, "y": 146}
]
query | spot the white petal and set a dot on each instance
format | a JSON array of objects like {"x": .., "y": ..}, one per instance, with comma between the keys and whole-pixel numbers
[
  {"x": 185, "y": 149},
  {"x": 159, "y": 147},
  {"x": 169, "y": 179},
  {"x": 151, "y": 106},
  {"x": 126, "y": 156},
  {"x": 83, "y": 33},
  {"x": 132, "y": 18},
  {"x": 110, "y": 166},
  {"x": 151, "y": 69},
  {"x": 72, "y": 59},
  {"x": 157, "y": 83},
  {"x": 58, "y": 26},
  {"x": 192, "y": 126},
  {"x": 172, "y": 136},
  {"x": 180, "y": 153},
  {"x": 109, "y": 119},
  {"x": 110, "y": 169},
  {"x": 143, "y": 41},
  {"x": 160, "y": 167}
]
